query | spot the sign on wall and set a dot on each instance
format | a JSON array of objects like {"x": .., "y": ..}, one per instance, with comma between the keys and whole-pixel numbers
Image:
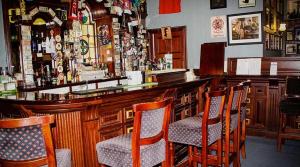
[{"x": 218, "y": 26}]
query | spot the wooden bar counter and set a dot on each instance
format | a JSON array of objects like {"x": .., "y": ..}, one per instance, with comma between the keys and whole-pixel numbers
[{"x": 85, "y": 118}]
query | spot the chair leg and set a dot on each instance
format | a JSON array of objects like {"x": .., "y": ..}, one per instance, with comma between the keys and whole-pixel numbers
[
  {"x": 166, "y": 163},
  {"x": 243, "y": 137},
  {"x": 171, "y": 154},
  {"x": 279, "y": 142},
  {"x": 236, "y": 147},
  {"x": 190, "y": 152}
]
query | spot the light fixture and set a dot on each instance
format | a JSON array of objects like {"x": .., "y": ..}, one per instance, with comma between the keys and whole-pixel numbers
[
  {"x": 39, "y": 21},
  {"x": 282, "y": 27}
]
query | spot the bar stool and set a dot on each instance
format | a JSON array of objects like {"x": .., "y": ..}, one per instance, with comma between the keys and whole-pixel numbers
[
  {"x": 147, "y": 145},
  {"x": 246, "y": 86},
  {"x": 232, "y": 127},
  {"x": 289, "y": 107},
  {"x": 201, "y": 131},
  {"x": 28, "y": 142}
]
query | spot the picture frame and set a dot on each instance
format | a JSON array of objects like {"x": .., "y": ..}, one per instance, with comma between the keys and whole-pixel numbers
[
  {"x": 290, "y": 49},
  {"x": 289, "y": 36},
  {"x": 217, "y": 4},
  {"x": 298, "y": 48},
  {"x": 247, "y": 3},
  {"x": 297, "y": 34},
  {"x": 244, "y": 28}
]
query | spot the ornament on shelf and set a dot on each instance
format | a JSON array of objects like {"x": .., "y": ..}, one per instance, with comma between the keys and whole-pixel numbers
[{"x": 73, "y": 12}]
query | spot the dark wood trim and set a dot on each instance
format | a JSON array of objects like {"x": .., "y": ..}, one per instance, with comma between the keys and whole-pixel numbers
[{"x": 287, "y": 66}]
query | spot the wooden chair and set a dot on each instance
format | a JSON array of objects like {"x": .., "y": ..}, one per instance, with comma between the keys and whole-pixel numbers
[
  {"x": 28, "y": 142},
  {"x": 148, "y": 143},
  {"x": 232, "y": 127},
  {"x": 289, "y": 107},
  {"x": 246, "y": 87},
  {"x": 201, "y": 131}
]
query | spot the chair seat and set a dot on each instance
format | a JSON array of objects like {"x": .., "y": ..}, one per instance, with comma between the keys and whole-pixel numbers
[
  {"x": 189, "y": 131},
  {"x": 117, "y": 152},
  {"x": 63, "y": 158}
]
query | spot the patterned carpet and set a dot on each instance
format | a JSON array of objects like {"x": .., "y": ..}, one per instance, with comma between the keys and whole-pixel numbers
[{"x": 262, "y": 152}]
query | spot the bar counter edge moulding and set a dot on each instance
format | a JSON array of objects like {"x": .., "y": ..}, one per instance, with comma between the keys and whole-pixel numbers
[{"x": 244, "y": 28}]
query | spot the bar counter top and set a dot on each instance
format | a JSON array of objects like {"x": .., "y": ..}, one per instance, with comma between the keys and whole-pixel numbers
[{"x": 80, "y": 96}]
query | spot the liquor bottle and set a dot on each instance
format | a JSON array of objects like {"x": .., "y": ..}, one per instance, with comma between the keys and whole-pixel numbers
[
  {"x": 54, "y": 76},
  {"x": 48, "y": 75},
  {"x": 43, "y": 40},
  {"x": 33, "y": 43},
  {"x": 69, "y": 75},
  {"x": 39, "y": 43}
]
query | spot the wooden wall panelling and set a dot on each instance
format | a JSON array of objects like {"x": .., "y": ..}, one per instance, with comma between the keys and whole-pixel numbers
[
  {"x": 212, "y": 58},
  {"x": 286, "y": 66}
]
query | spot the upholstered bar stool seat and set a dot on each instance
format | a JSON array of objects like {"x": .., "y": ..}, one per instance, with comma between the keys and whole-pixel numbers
[
  {"x": 147, "y": 145},
  {"x": 117, "y": 152},
  {"x": 63, "y": 157},
  {"x": 188, "y": 131}
]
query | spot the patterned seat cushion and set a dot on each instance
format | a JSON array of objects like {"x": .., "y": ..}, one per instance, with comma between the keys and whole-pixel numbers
[
  {"x": 117, "y": 152},
  {"x": 18, "y": 144},
  {"x": 63, "y": 158},
  {"x": 189, "y": 131},
  {"x": 243, "y": 113}
]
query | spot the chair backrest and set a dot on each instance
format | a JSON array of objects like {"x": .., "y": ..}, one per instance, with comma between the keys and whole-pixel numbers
[
  {"x": 292, "y": 87},
  {"x": 151, "y": 123},
  {"x": 213, "y": 110},
  {"x": 246, "y": 86},
  {"x": 27, "y": 142},
  {"x": 233, "y": 107}
]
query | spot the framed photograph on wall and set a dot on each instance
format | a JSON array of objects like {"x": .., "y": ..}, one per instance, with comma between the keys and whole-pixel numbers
[
  {"x": 247, "y": 3},
  {"x": 244, "y": 28},
  {"x": 298, "y": 48},
  {"x": 289, "y": 36},
  {"x": 290, "y": 49},
  {"x": 297, "y": 34},
  {"x": 216, "y": 4}
]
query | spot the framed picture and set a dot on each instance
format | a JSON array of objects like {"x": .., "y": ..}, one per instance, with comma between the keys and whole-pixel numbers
[
  {"x": 216, "y": 4},
  {"x": 246, "y": 3},
  {"x": 298, "y": 48},
  {"x": 289, "y": 36},
  {"x": 245, "y": 28},
  {"x": 297, "y": 34},
  {"x": 291, "y": 49}
]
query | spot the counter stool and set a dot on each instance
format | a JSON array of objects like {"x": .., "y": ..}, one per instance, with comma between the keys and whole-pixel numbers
[
  {"x": 246, "y": 86},
  {"x": 232, "y": 127},
  {"x": 147, "y": 145},
  {"x": 28, "y": 142},
  {"x": 201, "y": 131},
  {"x": 288, "y": 107}
]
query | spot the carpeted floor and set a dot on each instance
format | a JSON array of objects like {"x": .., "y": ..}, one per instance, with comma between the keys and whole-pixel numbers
[{"x": 262, "y": 152}]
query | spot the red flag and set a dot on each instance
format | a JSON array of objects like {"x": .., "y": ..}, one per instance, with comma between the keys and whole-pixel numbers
[{"x": 169, "y": 6}]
